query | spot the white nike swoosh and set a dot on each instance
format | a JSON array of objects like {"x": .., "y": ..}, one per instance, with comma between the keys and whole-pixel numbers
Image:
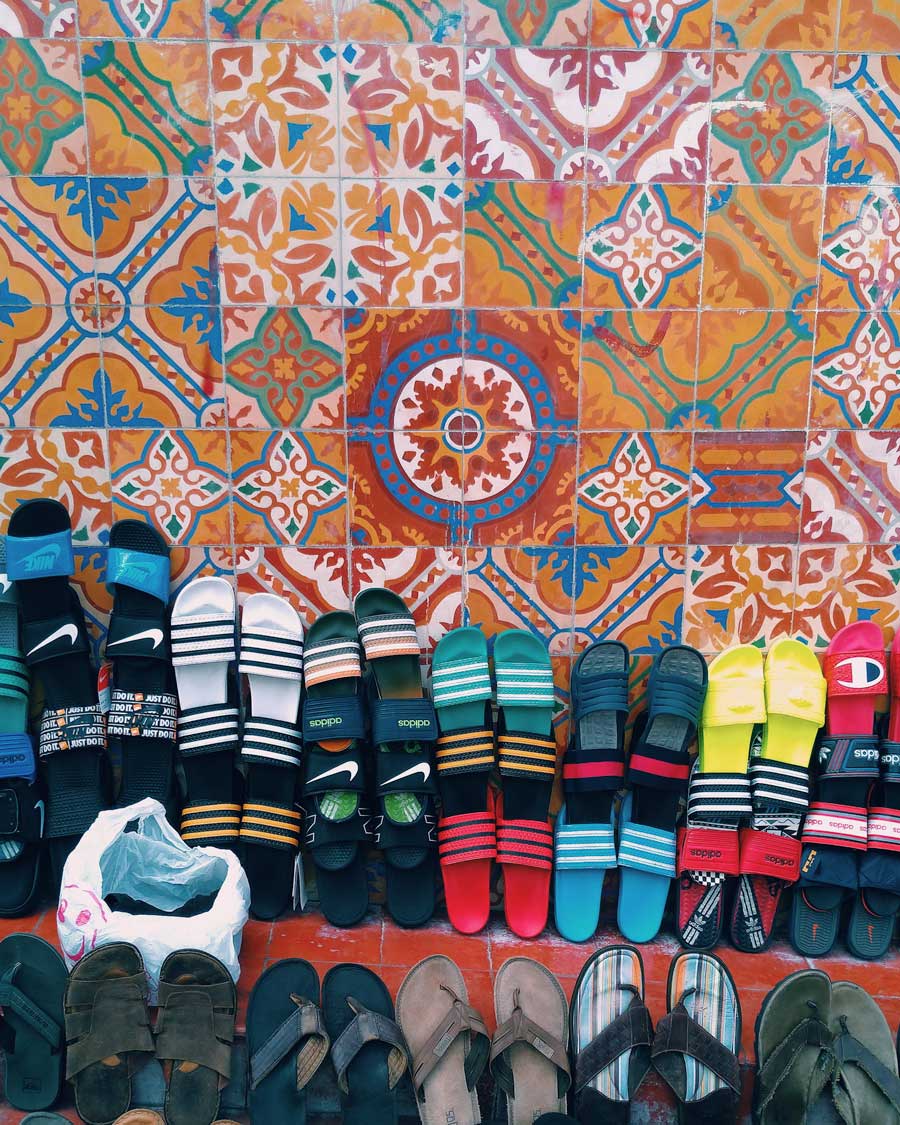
[
  {"x": 155, "y": 635},
  {"x": 70, "y": 631},
  {"x": 423, "y": 768},
  {"x": 40, "y": 805},
  {"x": 349, "y": 767},
  {"x": 5, "y": 583}
]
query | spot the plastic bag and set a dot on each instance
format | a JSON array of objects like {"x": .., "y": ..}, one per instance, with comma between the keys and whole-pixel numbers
[{"x": 151, "y": 863}]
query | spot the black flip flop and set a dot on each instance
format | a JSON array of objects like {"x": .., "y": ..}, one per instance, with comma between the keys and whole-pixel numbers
[
  {"x": 57, "y": 650},
  {"x": 32, "y": 985},
  {"x": 286, "y": 1040},
  {"x": 143, "y": 715}
]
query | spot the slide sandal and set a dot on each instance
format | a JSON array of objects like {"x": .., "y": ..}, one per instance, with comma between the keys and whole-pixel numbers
[
  {"x": 72, "y": 745},
  {"x": 593, "y": 771},
  {"x": 718, "y": 794},
  {"x": 527, "y": 753},
  {"x": 32, "y": 985},
  {"x": 865, "y": 1054},
  {"x": 658, "y": 774},
  {"x": 835, "y": 830},
  {"x": 203, "y": 650},
  {"x": 871, "y": 925},
  {"x": 448, "y": 1041},
  {"x": 529, "y": 1060},
  {"x": 54, "y": 1119},
  {"x": 610, "y": 1033},
  {"x": 194, "y": 1034},
  {"x": 107, "y": 1030},
  {"x": 370, "y": 1055},
  {"x": 271, "y": 747},
  {"x": 143, "y": 712},
  {"x": 467, "y": 829},
  {"x": 696, "y": 1044},
  {"x": 334, "y": 731},
  {"x": 404, "y": 730},
  {"x": 779, "y": 786},
  {"x": 286, "y": 1040},
  {"x": 22, "y": 795}
]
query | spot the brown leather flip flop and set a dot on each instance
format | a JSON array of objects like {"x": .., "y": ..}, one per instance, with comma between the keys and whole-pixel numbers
[
  {"x": 529, "y": 1060},
  {"x": 448, "y": 1040}
]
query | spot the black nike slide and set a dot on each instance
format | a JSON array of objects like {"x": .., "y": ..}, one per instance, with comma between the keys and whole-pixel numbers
[
  {"x": 143, "y": 711},
  {"x": 72, "y": 745}
]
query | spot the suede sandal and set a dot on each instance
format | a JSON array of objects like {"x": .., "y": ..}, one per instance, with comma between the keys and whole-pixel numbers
[
  {"x": 194, "y": 1034},
  {"x": 107, "y": 1030},
  {"x": 865, "y": 1055}
]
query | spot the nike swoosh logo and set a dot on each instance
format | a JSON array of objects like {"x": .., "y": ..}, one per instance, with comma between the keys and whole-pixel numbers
[
  {"x": 70, "y": 631},
  {"x": 155, "y": 635},
  {"x": 40, "y": 806},
  {"x": 349, "y": 767},
  {"x": 5, "y": 583},
  {"x": 423, "y": 768}
]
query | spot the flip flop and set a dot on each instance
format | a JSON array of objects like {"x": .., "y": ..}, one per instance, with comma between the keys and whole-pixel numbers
[
  {"x": 334, "y": 730},
  {"x": 865, "y": 1054},
  {"x": 593, "y": 771},
  {"x": 467, "y": 830},
  {"x": 610, "y": 1033},
  {"x": 835, "y": 830},
  {"x": 449, "y": 1046},
  {"x": 194, "y": 1034},
  {"x": 370, "y": 1055},
  {"x": 143, "y": 713},
  {"x": 779, "y": 780},
  {"x": 287, "y": 1041},
  {"x": 718, "y": 794},
  {"x": 696, "y": 1043},
  {"x": 404, "y": 730},
  {"x": 49, "y": 1119},
  {"x": 32, "y": 984},
  {"x": 527, "y": 753},
  {"x": 107, "y": 1030},
  {"x": 271, "y": 747},
  {"x": 203, "y": 650},
  {"x": 529, "y": 1060},
  {"x": 657, "y": 773},
  {"x": 871, "y": 926},
  {"x": 72, "y": 744}
]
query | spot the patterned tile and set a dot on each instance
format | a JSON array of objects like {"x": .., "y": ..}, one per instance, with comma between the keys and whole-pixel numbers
[
  {"x": 402, "y": 242},
  {"x": 69, "y": 465},
  {"x": 89, "y": 581},
  {"x": 142, "y": 19},
  {"x": 429, "y": 580},
  {"x": 647, "y": 116},
  {"x": 837, "y": 585},
  {"x": 746, "y": 487},
  {"x": 762, "y": 246},
  {"x": 522, "y": 244},
  {"x": 769, "y": 121},
  {"x": 642, "y": 247},
  {"x": 861, "y": 249},
  {"x": 38, "y": 19},
  {"x": 633, "y": 488},
  {"x": 147, "y": 107},
  {"x": 313, "y": 579},
  {"x": 289, "y": 487},
  {"x": 856, "y": 372},
  {"x": 278, "y": 241},
  {"x": 188, "y": 563},
  {"x": 738, "y": 595},
  {"x": 789, "y": 25},
  {"x": 41, "y": 119},
  {"x": 651, "y": 23},
  {"x": 851, "y": 491},
  {"x": 176, "y": 479},
  {"x": 309, "y": 20},
  {"x": 865, "y": 130},
  {"x": 275, "y": 109},
  {"x": 525, "y": 113},
  {"x": 638, "y": 370},
  {"x": 539, "y": 23},
  {"x": 868, "y": 25},
  {"x": 283, "y": 367},
  {"x": 754, "y": 370},
  {"x": 400, "y": 21},
  {"x": 401, "y": 111}
]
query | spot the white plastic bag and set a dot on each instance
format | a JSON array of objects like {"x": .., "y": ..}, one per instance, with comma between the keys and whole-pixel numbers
[{"x": 154, "y": 865}]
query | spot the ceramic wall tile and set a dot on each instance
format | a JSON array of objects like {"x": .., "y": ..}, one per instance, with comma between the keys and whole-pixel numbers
[
  {"x": 861, "y": 248},
  {"x": 43, "y": 19},
  {"x": 856, "y": 372},
  {"x": 868, "y": 25},
  {"x": 865, "y": 131},
  {"x": 686, "y": 24},
  {"x": 840, "y": 584},
  {"x": 306, "y": 20},
  {"x": 140, "y": 19},
  {"x": 522, "y": 588},
  {"x": 43, "y": 129},
  {"x": 314, "y": 579},
  {"x": 547, "y": 23},
  {"x": 401, "y": 21},
  {"x": 789, "y": 25},
  {"x": 851, "y": 491}
]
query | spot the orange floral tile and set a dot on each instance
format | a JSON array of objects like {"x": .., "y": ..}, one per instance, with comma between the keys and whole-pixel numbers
[
  {"x": 869, "y": 25},
  {"x": 560, "y": 23},
  {"x": 46, "y": 18},
  {"x": 865, "y": 143},
  {"x": 416, "y": 21},
  {"x": 313, "y": 579},
  {"x": 176, "y": 19},
  {"x": 40, "y": 107},
  {"x": 684, "y": 24},
  {"x": 308, "y": 20},
  {"x": 851, "y": 493},
  {"x": 840, "y": 584},
  {"x": 856, "y": 374},
  {"x": 861, "y": 248},
  {"x": 789, "y": 25}
]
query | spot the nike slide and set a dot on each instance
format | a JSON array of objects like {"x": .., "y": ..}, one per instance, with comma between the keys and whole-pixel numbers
[
  {"x": 467, "y": 830},
  {"x": 143, "y": 713},
  {"x": 203, "y": 654},
  {"x": 334, "y": 730},
  {"x": 72, "y": 744},
  {"x": 404, "y": 730},
  {"x": 271, "y": 748}
]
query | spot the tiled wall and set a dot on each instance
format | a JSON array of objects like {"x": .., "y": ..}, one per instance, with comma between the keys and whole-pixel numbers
[{"x": 580, "y": 314}]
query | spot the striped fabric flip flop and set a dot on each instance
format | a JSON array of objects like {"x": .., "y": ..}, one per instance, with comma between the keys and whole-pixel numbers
[
  {"x": 467, "y": 831},
  {"x": 203, "y": 654}
]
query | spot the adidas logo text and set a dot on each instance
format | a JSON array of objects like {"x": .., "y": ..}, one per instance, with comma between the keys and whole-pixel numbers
[
  {"x": 334, "y": 721},
  {"x": 415, "y": 723}
]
